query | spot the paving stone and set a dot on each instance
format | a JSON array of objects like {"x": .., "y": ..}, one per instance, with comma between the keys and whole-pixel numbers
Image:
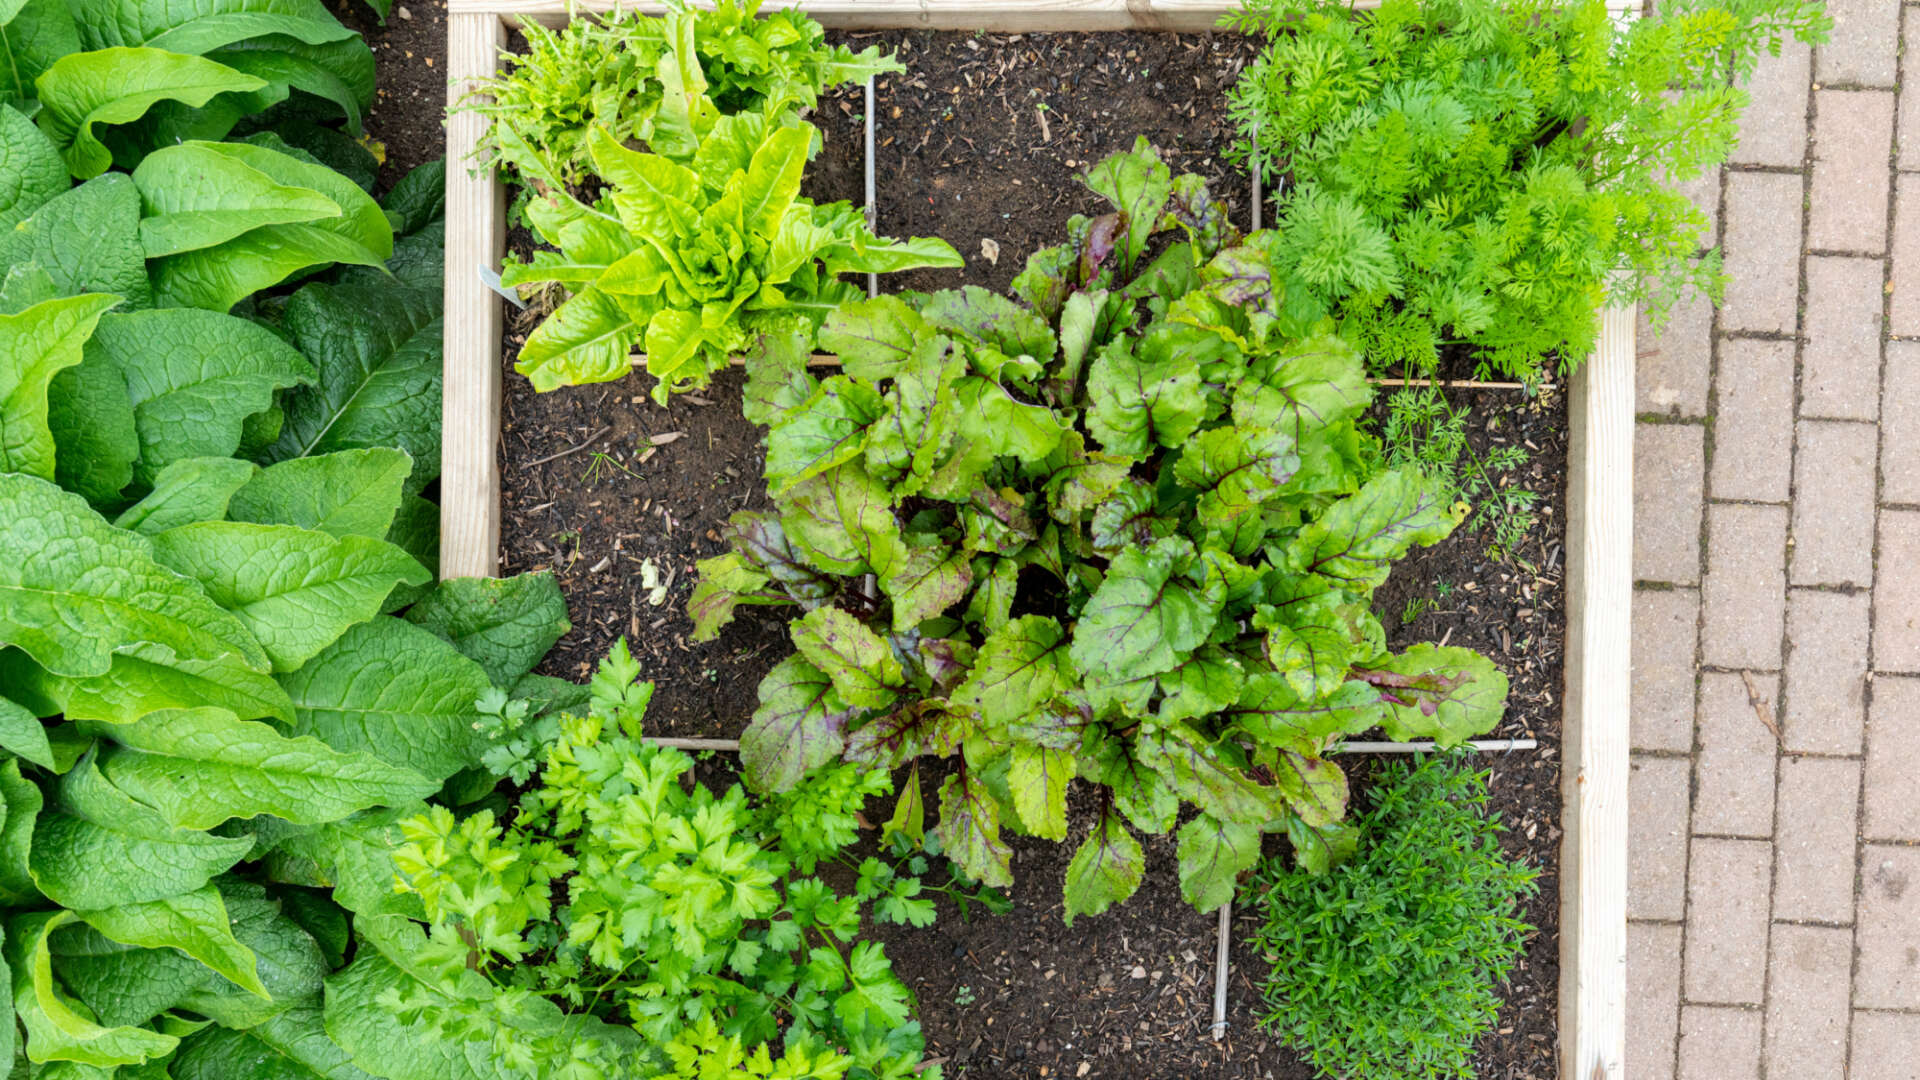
[
  {"x": 1666, "y": 631},
  {"x": 1886, "y": 929},
  {"x": 1726, "y": 954},
  {"x": 1653, "y": 999},
  {"x": 1833, "y": 501},
  {"x": 1744, "y": 594},
  {"x": 1840, "y": 366},
  {"x": 1893, "y": 761},
  {"x": 1826, "y": 671},
  {"x": 1734, "y": 765},
  {"x": 1773, "y": 131},
  {"x": 1813, "y": 850},
  {"x": 1760, "y": 241},
  {"x": 1905, "y": 307},
  {"x": 1657, "y": 838},
  {"x": 1719, "y": 1043},
  {"x": 1668, "y": 477},
  {"x": 1852, "y": 141},
  {"x": 1896, "y": 594},
  {"x": 1809, "y": 976},
  {"x": 1753, "y": 408},
  {"x": 1861, "y": 49},
  {"x": 1900, "y": 423},
  {"x": 1675, "y": 362},
  {"x": 1883, "y": 1046},
  {"x": 1909, "y": 133}
]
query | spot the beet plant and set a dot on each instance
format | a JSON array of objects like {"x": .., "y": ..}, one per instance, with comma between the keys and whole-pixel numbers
[{"x": 1122, "y": 529}]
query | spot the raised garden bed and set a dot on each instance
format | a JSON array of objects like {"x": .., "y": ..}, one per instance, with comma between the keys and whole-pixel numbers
[{"x": 581, "y": 499}]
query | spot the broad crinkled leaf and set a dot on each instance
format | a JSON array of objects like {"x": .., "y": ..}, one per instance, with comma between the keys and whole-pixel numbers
[
  {"x": 1447, "y": 694},
  {"x": 203, "y": 25},
  {"x": 1078, "y": 480},
  {"x": 194, "y": 922},
  {"x": 1155, "y": 607},
  {"x": 345, "y": 493},
  {"x": 116, "y": 86},
  {"x": 186, "y": 491},
  {"x": 200, "y": 767},
  {"x": 31, "y": 171},
  {"x": 23, "y": 802},
  {"x": 503, "y": 624},
  {"x": 969, "y": 831},
  {"x": 873, "y": 337},
  {"x": 378, "y": 355},
  {"x": 95, "y": 436},
  {"x": 1105, "y": 870},
  {"x": 75, "y": 590},
  {"x": 1272, "y": 708},
  {"x": 861, "y": 665},
  {"x": 352, "y": 857},
  {"x": 1200, "y": 774},
  {"x": 924, "y": 728},
  {"x": 845, "y": 521},
  {"x": 147, "y": 678},
  {"x": 932, "y": 577},
  {"x": 393, "y": 690},
  {"x": 1213, "y": 855},
  {"x": 22, "y": 735},
  {"x": 973, "y": 312},
  {"x": 96, "y": 847},
  {"x": 1312, "y": 658},
  {"x": 799, "y": 726},
  {"x": 86, "y": 239},
  {"x": 194, "y": 377},
  {"x": 1205, "y": 683},
  {"x": 588, "y": 339},
  {"x": 1021, "y": 667},
  {"x": 827, "y": 429},
  {"x": 1038, "y": 778},
  {"x": 1236, "y": 470},
  {"x": 1315, "y": 788},
  {"x": 1356, "y": 541},
  {"x": 35, "y": 345},
  {"x": 1308, "y": 386},
  {"x": 297, "y": 589},
  {"x": 1139, "y": 403},
  {"x": 922, "y": 416},
  {"x": 197, "y": 195},
  {"x": 290, "y": 1046},
  {"x": 726, "y": 581},
  {"x": 59, "y": 1028},
  {"x": 1129, "y": 518}
]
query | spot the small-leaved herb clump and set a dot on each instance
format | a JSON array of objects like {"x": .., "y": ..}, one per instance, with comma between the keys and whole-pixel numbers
[
  {"x": 1387, "y": 967},
  {"x": 1123, "y": 529},
  {"x": 661, "y": 159},
  {"x": 621, "y": 920},
  {"x": 1488, "y": 173}
]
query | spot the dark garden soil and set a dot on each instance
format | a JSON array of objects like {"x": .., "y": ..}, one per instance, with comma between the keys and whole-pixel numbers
[{"x": 600, "y": 484}]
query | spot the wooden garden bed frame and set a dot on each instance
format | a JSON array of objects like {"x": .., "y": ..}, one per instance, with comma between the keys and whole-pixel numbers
[{"x": 1593, "y": 853}]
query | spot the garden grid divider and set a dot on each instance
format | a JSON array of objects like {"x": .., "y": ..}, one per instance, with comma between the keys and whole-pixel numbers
[{"x": 1594, "y": 726}]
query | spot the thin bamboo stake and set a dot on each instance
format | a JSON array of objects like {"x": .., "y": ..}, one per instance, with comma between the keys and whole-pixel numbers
[
  {"x": 1482, "y": 745},
  {"x": 873, "y": 210},
  {"x": 1220, "y": 971}
]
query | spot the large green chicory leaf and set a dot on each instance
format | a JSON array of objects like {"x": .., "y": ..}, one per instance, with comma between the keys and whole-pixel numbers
[
  {"x": 33, "y": 34},
  {"x": 378, "y": 355},
  {"x": 31, "y": 171},
  {"x": 290, "y": 1046},
  {"x": 96, "y": 437},
  {"x": 197, "y": 195},
  {"x": 296, "y": 589},
  {"x": 194, "y": 922},
  {"x": 85, "y": 240},
  {"x": 345, "y": 493},
  {"x": 34, "y": 346},
  {"x": 59, "y": 1028},
  {"x": 194, "y": 377},
  {"x": 186, "y": 491},
  {"x": 74, "y": 590},
  {"x": 395, "y": 691},
  {"x": 116, "y": 86},
  {"x": 201, "y": 767},
  {"x": 503, "y": 624}
]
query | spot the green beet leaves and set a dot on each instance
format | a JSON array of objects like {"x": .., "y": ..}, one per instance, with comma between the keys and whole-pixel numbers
[{"x": 1126, "y": 532}]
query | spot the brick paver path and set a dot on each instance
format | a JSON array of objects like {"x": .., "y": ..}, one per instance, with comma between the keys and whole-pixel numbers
[{"x": 1774, "y": 894}]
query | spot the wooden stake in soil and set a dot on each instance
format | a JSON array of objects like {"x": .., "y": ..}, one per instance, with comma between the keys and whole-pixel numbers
[
  {"x": 873, "y": 211},
  {"x": 1220, "y": 972}
]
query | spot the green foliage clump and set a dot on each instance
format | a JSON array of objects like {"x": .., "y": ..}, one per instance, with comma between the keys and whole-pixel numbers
[
  {"x": 662, "y": 930},
  {"x": 654, "y": 81},
  {"x": 1489, "y": 173},
  {"x": 1124, "y": 529},
  {"x": 1387, "y": 966},
  {"x": 700, "y": 241}
]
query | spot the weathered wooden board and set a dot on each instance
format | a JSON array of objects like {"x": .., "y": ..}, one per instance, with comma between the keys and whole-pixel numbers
[
  {"x": 994, "y": 15},
  {"x": 1594, "y": 728}
]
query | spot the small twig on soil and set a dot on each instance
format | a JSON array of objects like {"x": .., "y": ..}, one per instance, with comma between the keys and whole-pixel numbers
[{"x": 591, "y": 439}]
